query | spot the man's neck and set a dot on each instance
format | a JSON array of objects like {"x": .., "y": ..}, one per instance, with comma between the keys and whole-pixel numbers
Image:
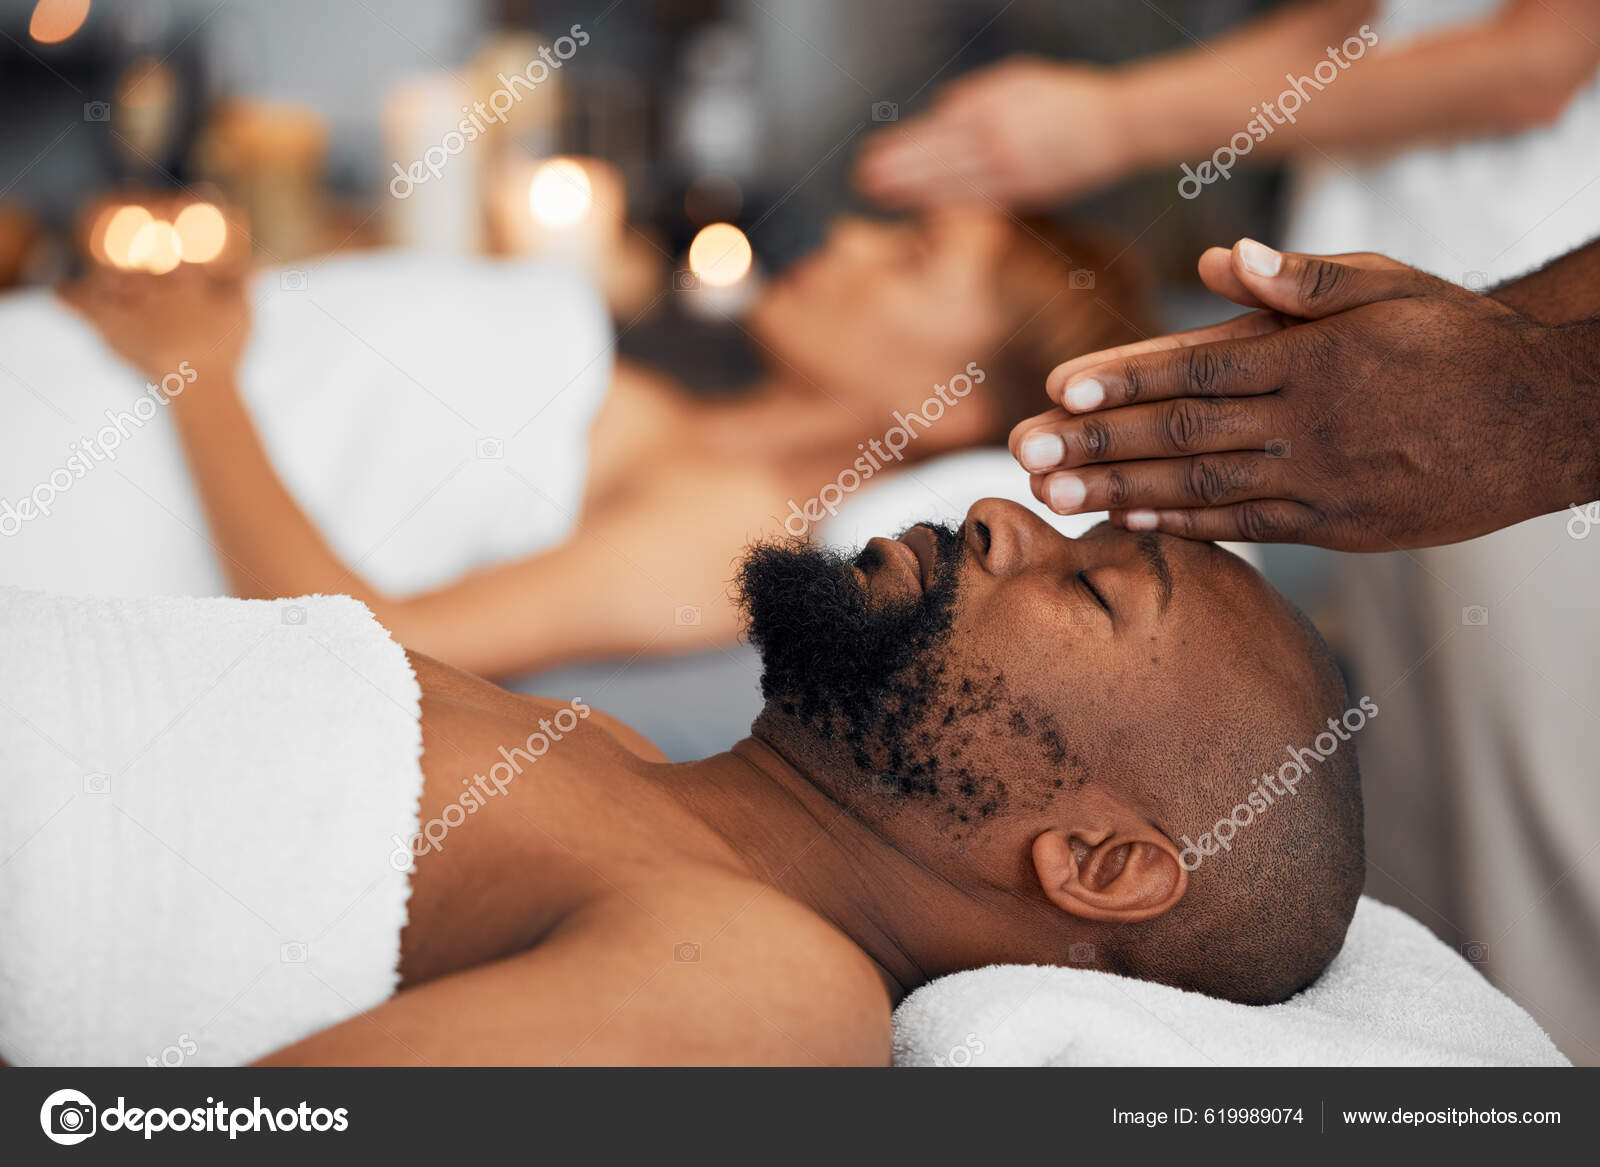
[{"x": 796, "y": 837}]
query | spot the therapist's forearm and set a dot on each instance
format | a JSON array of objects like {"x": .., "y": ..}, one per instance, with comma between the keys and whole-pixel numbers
[
  {"x": 1565, "y": 295},
  {"x": 1564, "y": 291},
  {"x": 1578, "y": 344},
  {"x": 1497, "y": 75}
]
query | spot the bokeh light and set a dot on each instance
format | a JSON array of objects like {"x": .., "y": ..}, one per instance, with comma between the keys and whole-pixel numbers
[
  {"x": 156, "y": 247},
  {"x": 147, "y": 83},
  {"x": 720, "y": 255},
  {"x": 121, "y": 229},
  {"x": 560, "y": 194},
  {"x": 55, "y": 20},
  {"x": 202, "y": 232}
]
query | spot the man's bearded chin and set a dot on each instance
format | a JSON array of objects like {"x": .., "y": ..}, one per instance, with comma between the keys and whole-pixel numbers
[{"x": 846, "y": 669}]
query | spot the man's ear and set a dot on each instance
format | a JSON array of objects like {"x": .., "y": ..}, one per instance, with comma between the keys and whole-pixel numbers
[{"x": 1115, "y": 874}]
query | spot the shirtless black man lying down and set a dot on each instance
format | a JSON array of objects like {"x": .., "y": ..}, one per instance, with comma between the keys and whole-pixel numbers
[{"x": 979, "y": 745}]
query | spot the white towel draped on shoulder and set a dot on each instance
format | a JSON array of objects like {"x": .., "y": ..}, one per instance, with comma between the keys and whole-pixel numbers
[{"x": 198, "y": 800}]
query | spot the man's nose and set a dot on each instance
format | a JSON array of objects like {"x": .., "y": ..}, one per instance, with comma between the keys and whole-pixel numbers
[{"x": 1004, "y": 538}]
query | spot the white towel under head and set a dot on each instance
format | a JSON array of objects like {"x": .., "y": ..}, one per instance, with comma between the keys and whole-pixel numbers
[
  {"x": 198, "y": 801},
  {"x": 1395, "y": 996}
]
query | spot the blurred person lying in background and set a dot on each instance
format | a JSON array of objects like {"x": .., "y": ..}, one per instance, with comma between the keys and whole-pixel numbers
[
  {"x": 966, "y": 307},
  {"x": 985, "y": 744}
]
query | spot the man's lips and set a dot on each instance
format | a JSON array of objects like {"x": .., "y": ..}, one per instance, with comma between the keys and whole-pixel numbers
[
  {"x": 915, "y": 553},
  {"x": 897, "y": 555},
  {"x": 924, "y": 546}
]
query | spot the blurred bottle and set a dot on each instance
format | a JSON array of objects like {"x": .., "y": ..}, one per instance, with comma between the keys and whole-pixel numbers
[
  {"x": 716, "y": 123},
  {"x": 268, "y": 159},
  {"x": 156, "y": 102}
]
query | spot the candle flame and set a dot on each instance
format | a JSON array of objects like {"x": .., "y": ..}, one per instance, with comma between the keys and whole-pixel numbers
[
  {"x": 121, "y": 228},
  {"x": 720, "y": 255},
  {"x": 560, "y": 194},
  {"x": 202, "y": 232},
  {"x": 156, "y": 247}
]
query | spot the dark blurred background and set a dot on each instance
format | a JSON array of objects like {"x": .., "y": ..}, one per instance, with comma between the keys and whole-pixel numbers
[{"x": 746, "y": 110}]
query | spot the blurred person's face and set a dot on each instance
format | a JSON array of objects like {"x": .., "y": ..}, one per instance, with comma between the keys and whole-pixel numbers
[{"x": 884, "y": 312}]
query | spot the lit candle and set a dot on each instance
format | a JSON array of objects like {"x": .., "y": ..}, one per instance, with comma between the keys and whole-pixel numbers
[
  {"x": 113, "y": 241},
  {"x": 155, "y": 248},
  {"x": 576, "y": 210},
  {"x": 722, "y": 277},
  {"x": 436, "y": 175},
  {"x": 158, "y": 232},
  {"x": 202, "y": 232}
]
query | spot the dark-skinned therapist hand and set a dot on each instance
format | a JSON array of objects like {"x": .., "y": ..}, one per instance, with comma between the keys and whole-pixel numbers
[{"x": 1365, "y": 406}]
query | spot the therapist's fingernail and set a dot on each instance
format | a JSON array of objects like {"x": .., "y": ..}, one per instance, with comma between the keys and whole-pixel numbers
[
  {"x": 1042, "y": 451},
  {"x": 1140, "y": 520},
  {"x": 1085, "y": 394},
  {"x": 1066, "y": 492},
  {"x": 1259, "y": 258}
]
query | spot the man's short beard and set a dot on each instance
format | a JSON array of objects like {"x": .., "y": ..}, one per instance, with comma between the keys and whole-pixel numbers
[{"x": 850, "y": 670}]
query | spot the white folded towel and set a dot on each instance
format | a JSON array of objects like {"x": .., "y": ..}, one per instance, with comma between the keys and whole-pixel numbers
[
  {"x": 1395, "y": 996},
  {"x": 198, "y": 801}
]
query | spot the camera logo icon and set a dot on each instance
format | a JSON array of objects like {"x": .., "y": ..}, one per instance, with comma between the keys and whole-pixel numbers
[
  {"x": 293, "y": 952},
  {"x": 885, "y": 111},
  {"x": 882, "y": 784},
  {"x": 489, "y": 449},
  {"x": 1080, "y": 953},
  {"x": 686, "y": 616},
  {"x": 67, "y": 1117},
  {"x": 292, "y": 280},
  {"x": 1477, "y": 281},
  {"x": 294, "y": 614},
  {"x": 97, "y": 783},
  {"x": 962, "y": 1055},
  {"x": 686, "y": 953},
  {"x": 685, "y": 281},
  {"x": 97, "y": 111},
  {"x": 1475, "y": 616},
  {"x": 1475, "y": 951},
  {"x": 1584, "y": 519},
  {"x": 1278, "y": 448},
  {"x": 1080, "y": 279}
]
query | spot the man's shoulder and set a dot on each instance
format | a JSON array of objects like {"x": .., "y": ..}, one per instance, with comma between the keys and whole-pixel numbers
[
  {"x": 447, "y": 687},
  {"x": 781, "y": 982}
]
